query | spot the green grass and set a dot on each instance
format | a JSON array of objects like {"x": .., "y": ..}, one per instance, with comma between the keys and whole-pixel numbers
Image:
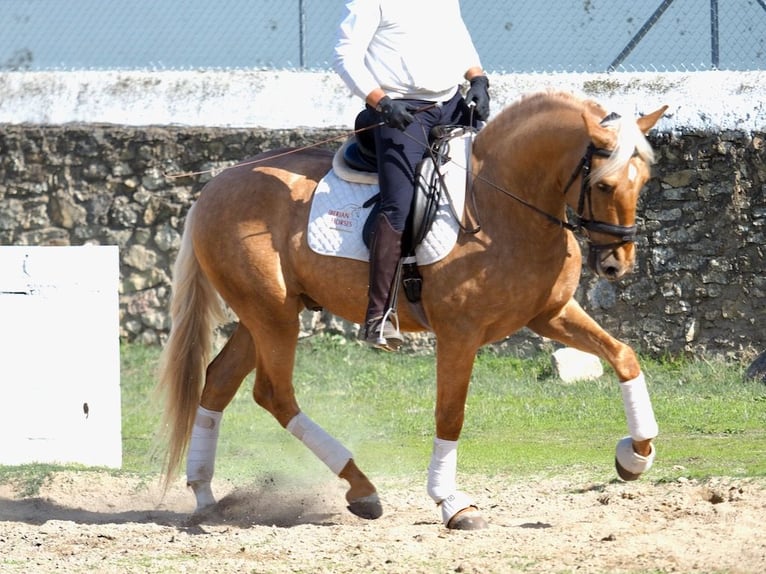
[{"x": 520, "y": 419}]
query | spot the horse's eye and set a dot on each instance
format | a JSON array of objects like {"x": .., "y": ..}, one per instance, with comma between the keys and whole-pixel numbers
[{"x": 604, "y": 187}]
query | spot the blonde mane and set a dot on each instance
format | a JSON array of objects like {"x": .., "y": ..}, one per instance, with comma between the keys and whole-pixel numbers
[{"x": 629, "y": 139}]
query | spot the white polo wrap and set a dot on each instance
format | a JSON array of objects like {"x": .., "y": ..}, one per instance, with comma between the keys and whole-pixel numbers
[
  {"x": 442, "y": 471},
  {"x": 200, "y": 461},
  {"x": 442, "y": 480},
  {"x": 325, "y": 447},
  {"x": 638, "y": 409},
  {"x": 630, "y": 460}
]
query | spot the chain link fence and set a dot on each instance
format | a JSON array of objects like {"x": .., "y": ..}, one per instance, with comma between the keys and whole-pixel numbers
[{"x": 512, "y": 37}]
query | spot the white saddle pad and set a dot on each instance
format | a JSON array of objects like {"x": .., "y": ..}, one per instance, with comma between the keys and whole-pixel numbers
[{"x": 338, "y": 214}]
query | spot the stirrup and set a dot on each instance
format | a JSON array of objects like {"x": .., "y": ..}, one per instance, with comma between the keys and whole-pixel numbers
[{"x": 379, "y": 337}]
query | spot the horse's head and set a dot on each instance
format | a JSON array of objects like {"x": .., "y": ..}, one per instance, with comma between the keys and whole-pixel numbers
[{"x": 614, "y": 169}]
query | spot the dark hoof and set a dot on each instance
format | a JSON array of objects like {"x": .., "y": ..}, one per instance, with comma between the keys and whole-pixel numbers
[
  {"x": 368, "y": 507},
  {"x": 468, "y": 519},
  {"x": 624, "y": 474},
  {"x": 210, "y": 513}
]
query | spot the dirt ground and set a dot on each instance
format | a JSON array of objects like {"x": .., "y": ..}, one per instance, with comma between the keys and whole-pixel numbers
[{"x": 95, "y": 521}]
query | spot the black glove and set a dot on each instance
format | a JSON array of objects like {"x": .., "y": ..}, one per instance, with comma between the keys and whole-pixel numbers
[
  {"x": 395, "y": 113},
  {"x": 478, "y": 94}
]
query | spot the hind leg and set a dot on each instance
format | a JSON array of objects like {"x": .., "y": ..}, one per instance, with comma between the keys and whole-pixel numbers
[
  {"x": 223, "y": 377},
  {"x": 273, "y": 390}
]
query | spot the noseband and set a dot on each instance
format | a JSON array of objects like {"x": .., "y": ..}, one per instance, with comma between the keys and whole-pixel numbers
[{"x": 623, "y": 233}]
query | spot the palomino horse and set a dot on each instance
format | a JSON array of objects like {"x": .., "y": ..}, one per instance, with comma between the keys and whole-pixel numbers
[{"x": 245, "y": 240}]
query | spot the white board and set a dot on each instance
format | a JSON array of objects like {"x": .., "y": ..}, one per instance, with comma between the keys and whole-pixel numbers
[{"x": 59, "y": 356}]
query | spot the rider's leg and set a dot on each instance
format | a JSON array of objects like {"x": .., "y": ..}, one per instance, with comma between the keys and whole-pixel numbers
[
  {"x": 385, "y": 252},
  {"x": 398, "y": 154}
]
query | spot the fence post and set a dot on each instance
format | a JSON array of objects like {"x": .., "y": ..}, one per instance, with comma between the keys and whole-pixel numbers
[
  {"x": 302, "y": 34},
  {"x": 714, "y": 58},
  {"x": 634, "y": 41}
]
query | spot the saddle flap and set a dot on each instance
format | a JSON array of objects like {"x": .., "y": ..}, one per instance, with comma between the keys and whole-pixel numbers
[
  {"x": 443, "y": 171},
  {"x": 339, "y": 208}
]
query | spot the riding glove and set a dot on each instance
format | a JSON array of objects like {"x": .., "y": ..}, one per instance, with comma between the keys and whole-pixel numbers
[
  {"x": 478, "y": 94},
  {"x": 395, "y": 113}
]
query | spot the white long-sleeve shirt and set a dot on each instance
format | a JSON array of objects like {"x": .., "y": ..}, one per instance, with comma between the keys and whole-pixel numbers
[{"x": 417, "y": 49}]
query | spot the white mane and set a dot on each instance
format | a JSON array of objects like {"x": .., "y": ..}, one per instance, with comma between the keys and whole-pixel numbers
[{"x": 630, "y": 141}]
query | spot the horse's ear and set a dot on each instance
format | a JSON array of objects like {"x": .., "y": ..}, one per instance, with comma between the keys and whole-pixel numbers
[
  {"x": 602, "y": 137},
  {"x": 645, "y": 123}
]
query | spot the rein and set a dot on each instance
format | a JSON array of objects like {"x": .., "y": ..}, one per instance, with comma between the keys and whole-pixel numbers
[
  {"x": 583, "y": 226},
  {"x": 623, "y": 233}
]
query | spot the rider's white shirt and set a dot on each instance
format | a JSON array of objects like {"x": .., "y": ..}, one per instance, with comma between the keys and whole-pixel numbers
[{"x": 417, "y": 49}]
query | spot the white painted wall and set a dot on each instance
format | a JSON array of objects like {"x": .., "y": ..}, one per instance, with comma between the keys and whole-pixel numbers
[
  {"x": 59, "y": 351},
  {"x": 288, "y": 99}
]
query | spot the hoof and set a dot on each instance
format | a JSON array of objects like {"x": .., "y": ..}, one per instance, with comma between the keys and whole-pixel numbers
[
  {"x": 467, "y": 519},
  {"x": 629, "y": 464},
  {"x": 460, "y": 513},
  {"x": 206, "y": 514},
  {"x": 368, "y": 507},
  {"x": 624, "y": 474}
]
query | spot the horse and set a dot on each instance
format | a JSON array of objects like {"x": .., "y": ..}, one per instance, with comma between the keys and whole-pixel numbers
[{"x": 244, "y": 244}]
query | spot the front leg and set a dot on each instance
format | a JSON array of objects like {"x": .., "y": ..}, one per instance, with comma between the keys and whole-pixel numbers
[
  {"x": 574, "y": 327},
  {"x": 453, "y": 372},
  {"x": 635, "y": 453}
]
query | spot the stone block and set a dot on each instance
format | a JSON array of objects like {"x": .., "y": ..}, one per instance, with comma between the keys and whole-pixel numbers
[{"x": 572, "y": 365}]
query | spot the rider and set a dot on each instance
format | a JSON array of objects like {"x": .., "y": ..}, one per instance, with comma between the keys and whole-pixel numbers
[{"x": 406, "y": 59}]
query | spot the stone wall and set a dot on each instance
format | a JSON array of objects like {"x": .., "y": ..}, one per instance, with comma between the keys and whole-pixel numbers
[{"x": 699, "y": 287}]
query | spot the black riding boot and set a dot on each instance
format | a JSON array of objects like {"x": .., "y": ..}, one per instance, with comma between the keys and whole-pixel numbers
[{"x": 385, "y": 252}]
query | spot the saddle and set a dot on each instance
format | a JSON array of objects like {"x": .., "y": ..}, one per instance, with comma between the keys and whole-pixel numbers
[{"x": 359, "y": 165}]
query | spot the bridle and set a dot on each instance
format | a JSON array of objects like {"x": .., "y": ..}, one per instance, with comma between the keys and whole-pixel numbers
[{"x": 583, "y": 226}]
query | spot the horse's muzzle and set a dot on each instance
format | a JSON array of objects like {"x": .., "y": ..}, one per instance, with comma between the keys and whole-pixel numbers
[{"x": 611, "y": 262}]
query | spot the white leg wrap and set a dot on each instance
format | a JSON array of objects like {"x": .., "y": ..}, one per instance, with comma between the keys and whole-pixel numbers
[
  {"x": 200, "y": 462},
  {"x": 630, "y": 460},
  {"x": 638, "y": 409},
  {"x": 442, "y": 472},
  {"x": 325, "y": 447},
  {"x": 442, "y": 480},
  {"x": 453, "y": 504}
]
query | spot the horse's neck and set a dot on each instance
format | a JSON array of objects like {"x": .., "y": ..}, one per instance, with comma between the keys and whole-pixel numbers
[{"x": 531, "y": 170}]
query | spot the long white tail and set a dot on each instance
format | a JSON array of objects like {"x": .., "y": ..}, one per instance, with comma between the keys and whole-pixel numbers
[{"x": 195, "y": 311}]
